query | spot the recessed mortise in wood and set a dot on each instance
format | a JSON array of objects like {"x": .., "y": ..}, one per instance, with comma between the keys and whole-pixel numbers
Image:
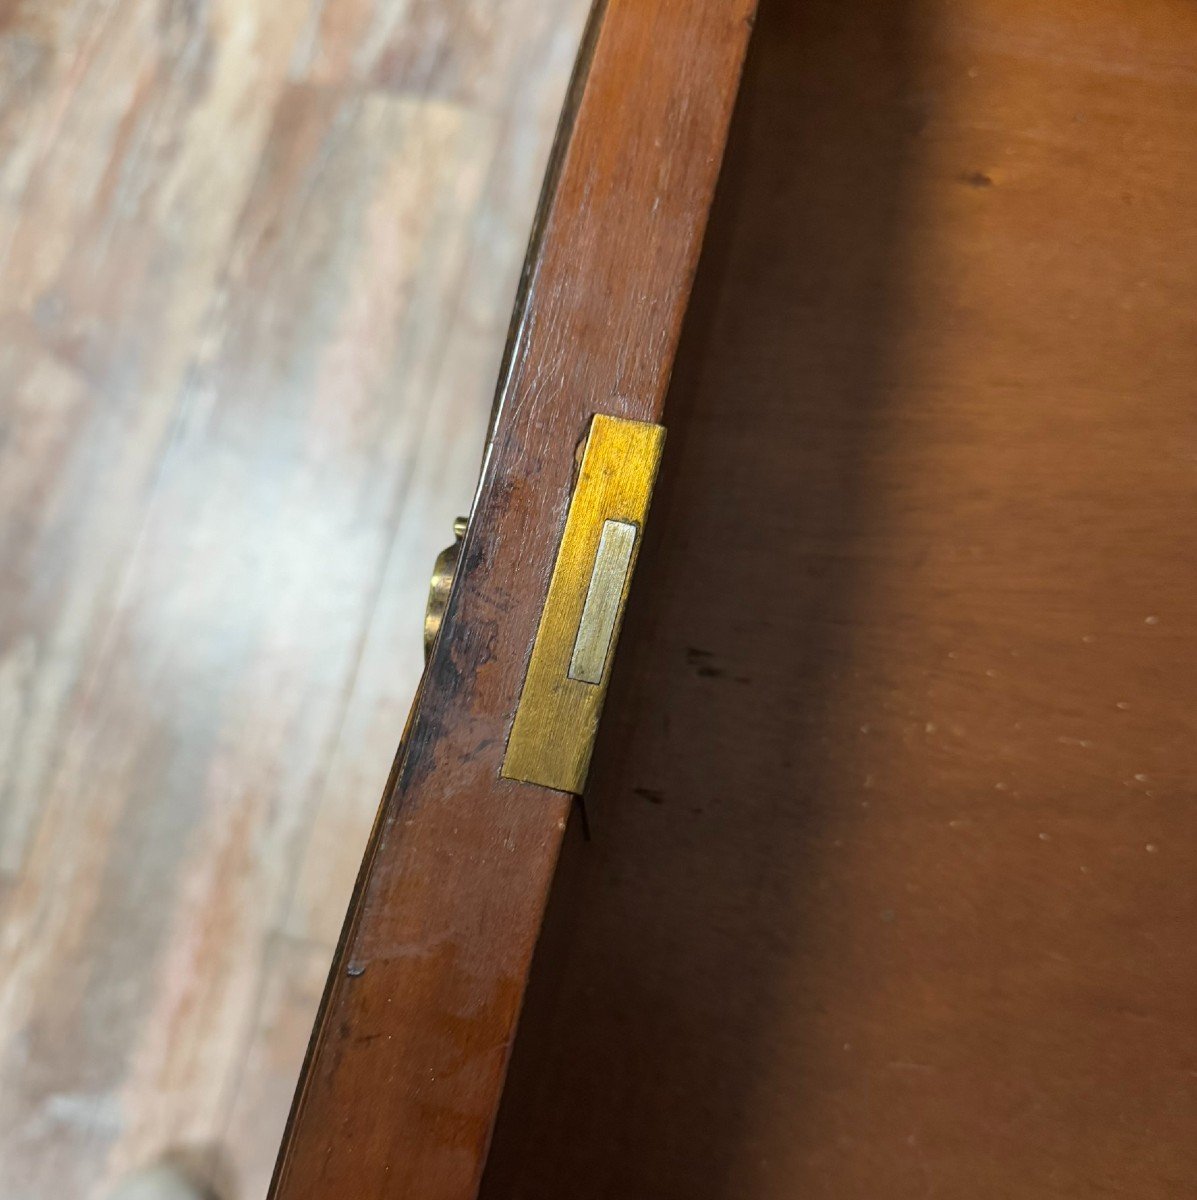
[
  {"x": 603, "y": 598},
  {"x": 558, "y": 713}
]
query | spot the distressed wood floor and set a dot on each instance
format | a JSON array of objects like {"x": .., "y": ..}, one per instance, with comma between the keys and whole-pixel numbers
[{"x": 256, "y": 264}]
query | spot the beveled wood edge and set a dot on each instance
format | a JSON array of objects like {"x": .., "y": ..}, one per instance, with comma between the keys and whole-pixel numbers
[{"x": 449, "y": 694}]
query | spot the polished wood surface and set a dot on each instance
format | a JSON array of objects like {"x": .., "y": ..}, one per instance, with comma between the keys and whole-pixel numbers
[
  {"x": 400, "y": 1091},
  {"x": 893, "y": 884},
  {"x": 257, "y": 262}
]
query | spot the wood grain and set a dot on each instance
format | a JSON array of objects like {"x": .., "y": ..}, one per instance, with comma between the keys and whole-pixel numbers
[
  {"x": 894, "y": 873},
  {"x": 256, "y": 267},
  {"x": 402, "y": 1082}
]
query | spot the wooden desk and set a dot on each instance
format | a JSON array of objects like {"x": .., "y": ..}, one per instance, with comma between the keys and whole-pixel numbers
[{"x": 893, "y": 882}]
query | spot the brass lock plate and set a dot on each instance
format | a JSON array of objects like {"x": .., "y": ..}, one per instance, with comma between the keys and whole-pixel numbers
[{"x": 562, "y": 699}]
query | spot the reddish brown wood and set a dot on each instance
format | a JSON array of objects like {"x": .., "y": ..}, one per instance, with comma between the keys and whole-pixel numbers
[
  {"x": 402, "y": 1082},
  {"x": 893, "y": 885}
]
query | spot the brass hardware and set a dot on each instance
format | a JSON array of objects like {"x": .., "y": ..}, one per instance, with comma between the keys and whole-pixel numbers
[
  {"x": 443, "y": 571},
  {"x": 601, "y": 610},
  {"x": 557, "y": 718}
]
